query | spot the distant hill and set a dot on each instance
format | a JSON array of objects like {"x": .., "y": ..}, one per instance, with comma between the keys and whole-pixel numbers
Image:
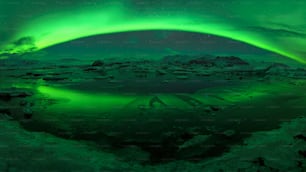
[
  {"x": 179, "y": 58},
  {"x": 206, "y": 60},
  {"x": 229, "y": 61}
]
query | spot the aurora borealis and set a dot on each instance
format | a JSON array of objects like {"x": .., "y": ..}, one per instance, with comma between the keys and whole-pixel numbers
[{"x": 276, "y": 26}]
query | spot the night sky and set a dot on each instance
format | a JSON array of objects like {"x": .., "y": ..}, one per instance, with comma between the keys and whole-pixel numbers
[
  {"x": 154, "y": 45},
  {"x": 277, "y": 26}
]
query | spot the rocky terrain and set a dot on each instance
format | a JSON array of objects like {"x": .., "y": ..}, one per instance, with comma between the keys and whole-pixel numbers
[{"x": 180, "y": 113}]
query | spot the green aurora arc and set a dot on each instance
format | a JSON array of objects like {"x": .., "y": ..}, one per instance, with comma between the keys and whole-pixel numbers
[{"x": 276, "y": 26}]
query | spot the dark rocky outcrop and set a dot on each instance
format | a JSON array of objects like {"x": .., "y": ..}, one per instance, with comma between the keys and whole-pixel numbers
[
  {"x": 97, "y": 63},
  {"x": 54, "y": 78},
  {"x": 8, "y": 94}
]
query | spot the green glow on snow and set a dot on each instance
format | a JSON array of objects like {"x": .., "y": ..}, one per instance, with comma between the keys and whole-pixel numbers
[{"x": 76, "y": 100}]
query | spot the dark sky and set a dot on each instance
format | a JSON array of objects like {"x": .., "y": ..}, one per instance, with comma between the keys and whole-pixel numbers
[{"x": 152, "y": 44}]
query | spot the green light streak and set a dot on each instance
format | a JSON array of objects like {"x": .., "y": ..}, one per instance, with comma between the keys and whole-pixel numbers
[
  {"x": 64, "y": 33},
  {"x": 51, "y": 29}
]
